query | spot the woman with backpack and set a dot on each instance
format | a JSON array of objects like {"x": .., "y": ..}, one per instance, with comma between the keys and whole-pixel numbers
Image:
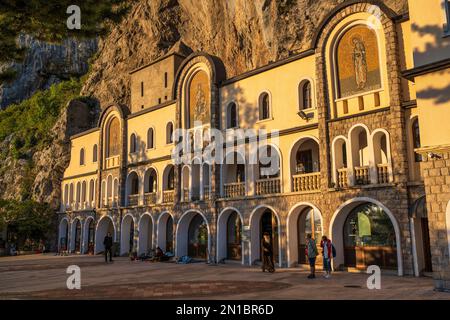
[{"x": 328, "y": 253}]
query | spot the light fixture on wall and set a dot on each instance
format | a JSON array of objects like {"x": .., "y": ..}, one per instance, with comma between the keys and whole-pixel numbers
[
  {"x": 433, "y": 156},
  {"x": 303, "y": 115}
]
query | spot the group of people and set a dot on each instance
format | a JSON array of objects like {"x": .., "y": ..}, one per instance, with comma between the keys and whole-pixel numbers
[{"x": 328, "y": 253}]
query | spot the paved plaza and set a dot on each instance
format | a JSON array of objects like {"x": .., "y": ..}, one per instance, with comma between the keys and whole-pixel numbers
[{"x": 44, "y": 277}]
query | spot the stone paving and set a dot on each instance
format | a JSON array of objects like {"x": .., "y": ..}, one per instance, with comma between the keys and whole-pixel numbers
[{"x": 44, "y": 277}]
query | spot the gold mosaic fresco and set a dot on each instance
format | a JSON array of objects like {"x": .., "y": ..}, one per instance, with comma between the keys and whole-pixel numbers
[
  {"x": 199, "y": 99},
  {"x": 358, "y": 62}
]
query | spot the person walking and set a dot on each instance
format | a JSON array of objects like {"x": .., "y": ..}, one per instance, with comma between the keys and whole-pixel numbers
[
  {"x": 311, "y": 253},
  {"x": 267, "y": 253},
  {"x": 107, "y": 242},
  {"x": 327, "y": 252}
]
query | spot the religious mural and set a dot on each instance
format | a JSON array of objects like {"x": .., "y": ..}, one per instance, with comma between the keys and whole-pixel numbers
[
  {"x": 113, "y": 138},
  {"x": 358, "y": 62},
  {"x": 199, "y": 104}
]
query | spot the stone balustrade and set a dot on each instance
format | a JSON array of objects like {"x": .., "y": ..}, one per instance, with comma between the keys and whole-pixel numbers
[
  {"x": 362, "y": 175},
  {"x": 306, "y": 182},
  {"x": 234, "y": 189},
  {"x": 342, "y": 178},
  {"x": 383, "y": 173},
  {"x": 133, "y": 199},
  {"x": 268, "y": 186},
  {"x": 150, "y": 198},
  {"x": 168, "y": 196}
]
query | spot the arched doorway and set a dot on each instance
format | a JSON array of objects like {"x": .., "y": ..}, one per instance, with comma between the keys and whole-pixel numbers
[
  {"x": 264, "y": 219},
  {"x": 63, "y": 235},
  {"x": 145, "y": 234},
  {"x": 127, "y": 235},
  {"x": 420, "y": 234},
  {"x": 193, "y": 236},
  {"x": 369, "y": 238},
  {"x": 198, "y": 238},
  {"x": 165, "y": 232},
  {"x": 229, "y": 235},
  {"x": 104, "y": 226},
  {"x": 76, "y": 236},
  {"x": 89, "y": 236}
]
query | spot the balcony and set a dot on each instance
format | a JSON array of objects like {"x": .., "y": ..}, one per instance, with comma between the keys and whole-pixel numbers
[
  {"x": 234, "y": 189},
  {"x": 133, "y": 199},
  {"x": 168, "y": 196},
  {"x": 149, "y": 198},
  {"x": 383, "y": 173},
  {"x": 112, "y": 162},
  {"x": 268, "y": 186},
  {"x": 342, "y": 178},
  {"x": 362, "y": 175},
  {"x": 206, "y": 193},
  {"x": 306, "y": 182}
]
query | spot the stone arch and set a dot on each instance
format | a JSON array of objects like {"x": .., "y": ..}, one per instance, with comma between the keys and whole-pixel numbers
[
  {"x": 265, "y": 102},
  {"x": 182, "y": 231},
  {"x": 86, "y": 234},
  {"x": 63, "y": 236},
  {"x": 104, "y": 225},
  {"x": 165, "y": 240},
  {"x": 128, "y": 223},
  {"x": 309, "y": 143},
  {"x": 292, "y": 230},
  {"x": 255, "y": 230},
  {"x": 340, "y": 153},
  {"x": 76, "y": 235},
  {"x": 337, "y": 225},
  {"x": 222, "y": 232},
  {"x": 145, "y": 233},
  {"x": 148, "y": 186},
  {"x": 382, "y": 154}
]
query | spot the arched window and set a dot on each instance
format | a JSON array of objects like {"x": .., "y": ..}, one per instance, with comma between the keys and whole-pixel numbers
[
  {"x": 150, "y": 139},
  {"x": 232, "y": 121},
  {"x": 113, "y": 138},
  {"x": 82, "y": 157},
  {"x": 169, "y": 133},
  {"x": 133, "y": 148},
  {"x": 305, "y": 95},
  {"x": 91, "y": 191},
  {"x": 94, "y": 153},
  {"x": 264, "y": 106},
  {"x": 170, "y": 179},
  {"x": 416, "y": 139}
]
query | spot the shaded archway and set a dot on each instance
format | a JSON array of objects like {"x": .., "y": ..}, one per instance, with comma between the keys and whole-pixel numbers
[
  {"x": 229, "y": 235},
  {"x": 264, "y": 219},
  {"x": 304, "y": 218},
  {"x": 127, "y": 235},
  {"x": 75, "y": 239},
  {"x": 165, "y": 233},
  {"x": 365, "y": 232},
  {"x": 145, "y": 234},
  {"x": 104, "y": 226},
  {"x": 63, "y": 235},
  {"x": 193, "y": 236},
  {"x": 420, "y": 236},
  {"x": 88, "y": 235}
]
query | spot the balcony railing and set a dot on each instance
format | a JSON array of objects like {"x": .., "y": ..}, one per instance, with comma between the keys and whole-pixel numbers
[
  {"x": 306, "y": 182},
  {"x": 206, "y": 193},
  {"x": 362, "y": 175},
  {"x": 168, "y": 196},
  {"x": 112, "y": 162},
  {"x": 133, "y": 199},
  {"x": 150, "y": 198},
  {"x": 342, "y": 178},
  {"x": 234, "y": 189},
  {"x": 383, "y": 173},
  {"x": 185, "y": 194},
  {"x": 268, "y": 186}
]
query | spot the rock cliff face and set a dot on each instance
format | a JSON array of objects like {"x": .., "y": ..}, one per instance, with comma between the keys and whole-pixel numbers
[
  {"x": 244, "y": 34},
  {"x": 44, "y": 65}
]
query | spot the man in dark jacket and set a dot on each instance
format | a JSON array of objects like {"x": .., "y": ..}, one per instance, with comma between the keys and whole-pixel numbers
[
  {"x": 108, "y": 242},
  {"x": 267, "y": 253}
]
